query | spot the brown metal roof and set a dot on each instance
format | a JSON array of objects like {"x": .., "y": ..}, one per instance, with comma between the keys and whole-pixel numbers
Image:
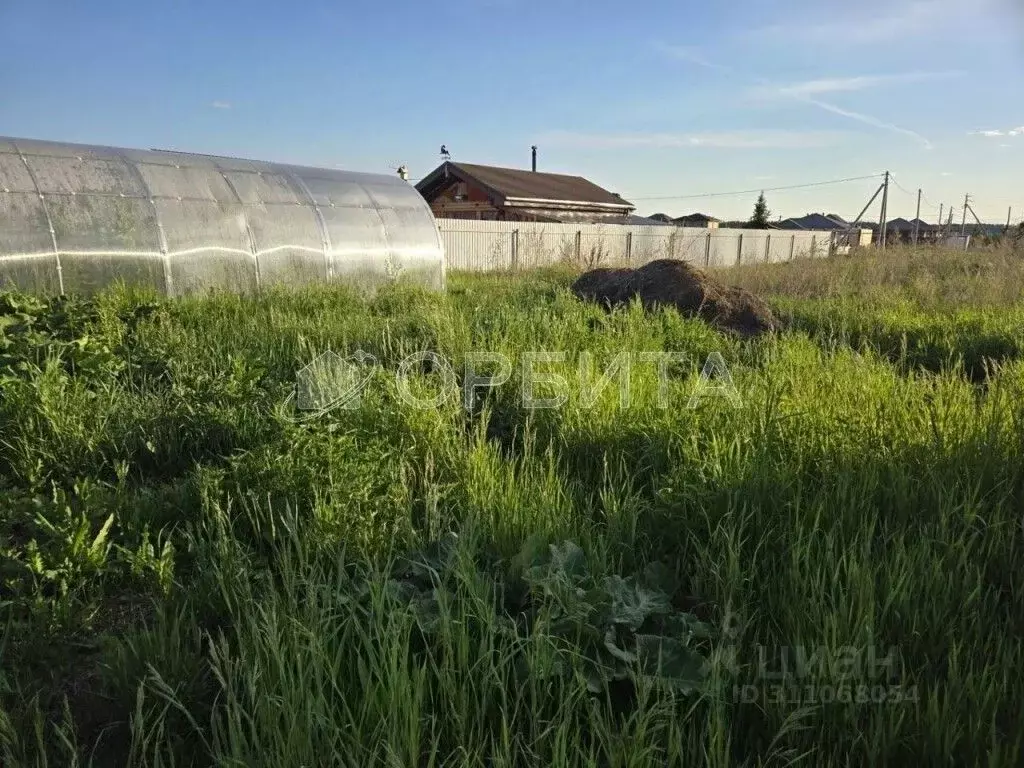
[{"x": 531, "y": 185}]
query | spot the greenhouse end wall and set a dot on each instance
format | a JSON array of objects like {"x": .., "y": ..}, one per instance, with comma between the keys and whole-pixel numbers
[{"x": 75, "y": 218}]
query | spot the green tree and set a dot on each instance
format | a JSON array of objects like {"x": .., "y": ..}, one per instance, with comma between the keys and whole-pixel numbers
[{"x": 761, "y": 213}]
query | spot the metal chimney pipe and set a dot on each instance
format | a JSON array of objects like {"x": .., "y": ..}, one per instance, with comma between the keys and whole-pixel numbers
[{"x": 534, "y": 150}]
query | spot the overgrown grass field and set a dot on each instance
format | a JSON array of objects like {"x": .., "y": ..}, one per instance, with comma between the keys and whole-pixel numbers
[{"x": 814, "y": 561}]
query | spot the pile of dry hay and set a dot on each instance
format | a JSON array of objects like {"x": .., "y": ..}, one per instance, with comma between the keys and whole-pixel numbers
[{"x": 692, "y": 292}]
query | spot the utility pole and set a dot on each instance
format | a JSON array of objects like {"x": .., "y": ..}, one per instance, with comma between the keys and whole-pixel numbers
[
  {"x": 1009, "y": 214},
  {"x": 963, "y": 226},
  {"x": 969, "y": 208},
  {"x": 870, "y": 202},
  {"x": 941, "y": 206},
  {"x": 885, "y": 208},
  {"x": 865, "y": 210},
  {"x": 860, "y": 215},
  {"x": 917, "y": 219}
]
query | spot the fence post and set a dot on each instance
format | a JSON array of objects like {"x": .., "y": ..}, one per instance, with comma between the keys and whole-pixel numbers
[
  {"x": 629, "y": 246},
  {"x": 768, "y": 248},
  {"x": 707, "y": 250},
  {"x": 579, "y": 244},
  {"x": 739, "y": 251},
  {"x": 792, "y": 247},
  {"x": 814, "y": 246}
]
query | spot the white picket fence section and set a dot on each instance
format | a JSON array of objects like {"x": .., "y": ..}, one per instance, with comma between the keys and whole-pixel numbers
[{"x": 483, "y": 246}]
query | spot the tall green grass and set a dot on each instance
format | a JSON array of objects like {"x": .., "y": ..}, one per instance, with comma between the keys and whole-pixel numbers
[
  {"x": 934, "y": 278},
  {"x": 192, "y": 577}
]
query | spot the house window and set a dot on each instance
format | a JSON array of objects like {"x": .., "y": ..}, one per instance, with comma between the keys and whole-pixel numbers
[{"x": 460, "y": 191}]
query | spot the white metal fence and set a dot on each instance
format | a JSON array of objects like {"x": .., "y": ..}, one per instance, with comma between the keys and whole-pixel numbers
[{"x": 506, "y": 245}]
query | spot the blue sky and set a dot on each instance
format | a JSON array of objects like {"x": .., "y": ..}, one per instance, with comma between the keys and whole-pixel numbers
[{"x": 651, "y": 100}]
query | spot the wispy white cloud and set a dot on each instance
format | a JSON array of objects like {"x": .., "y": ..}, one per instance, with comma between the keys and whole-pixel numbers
[
  {"x": 808, "y": 92},
  {"x": 869, "y": 120},
  {"x": 846, "y": 84},
  {"x": 767, "y": 139},
  {"x": 804, "y": 92},
  {"x": 221, "y": 104},
  {"x": 900, "y": 20},
  {"x": 998, "y": 133},
  {"x": 689, "y": 54}
]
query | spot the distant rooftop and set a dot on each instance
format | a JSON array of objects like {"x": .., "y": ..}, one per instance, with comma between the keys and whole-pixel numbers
[
  {"x": 814, "y": 221},
  {"x": 701, "y": 217}
]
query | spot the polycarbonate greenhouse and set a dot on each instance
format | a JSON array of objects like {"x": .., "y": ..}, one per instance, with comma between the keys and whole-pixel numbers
[{"x": 75, "y": 218}]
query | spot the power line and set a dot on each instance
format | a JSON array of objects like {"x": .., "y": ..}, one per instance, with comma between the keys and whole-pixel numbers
[
  {"x": 924, "y": 197},
  {"x": 995, "y": 217},
  {"x": 754, "y": 191},
  {"x": 898, "y": 186}
]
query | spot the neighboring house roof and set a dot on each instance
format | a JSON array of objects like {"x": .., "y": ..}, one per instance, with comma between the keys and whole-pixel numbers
[
  {"x": 993, "y": 230},
  {"x": 648, "y": 221},
  {"x": 664, "y": 217},
  {"x": 903, "y": 225},
  {"x": 703, "y": 217},
  {"x": 813, "y": 221},
  {"x": 899, "y": 225},
  {"x": 517, "y": 184}
]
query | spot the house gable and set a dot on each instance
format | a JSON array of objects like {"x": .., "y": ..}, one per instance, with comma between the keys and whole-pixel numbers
[{"x": 463, "y": 199}]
